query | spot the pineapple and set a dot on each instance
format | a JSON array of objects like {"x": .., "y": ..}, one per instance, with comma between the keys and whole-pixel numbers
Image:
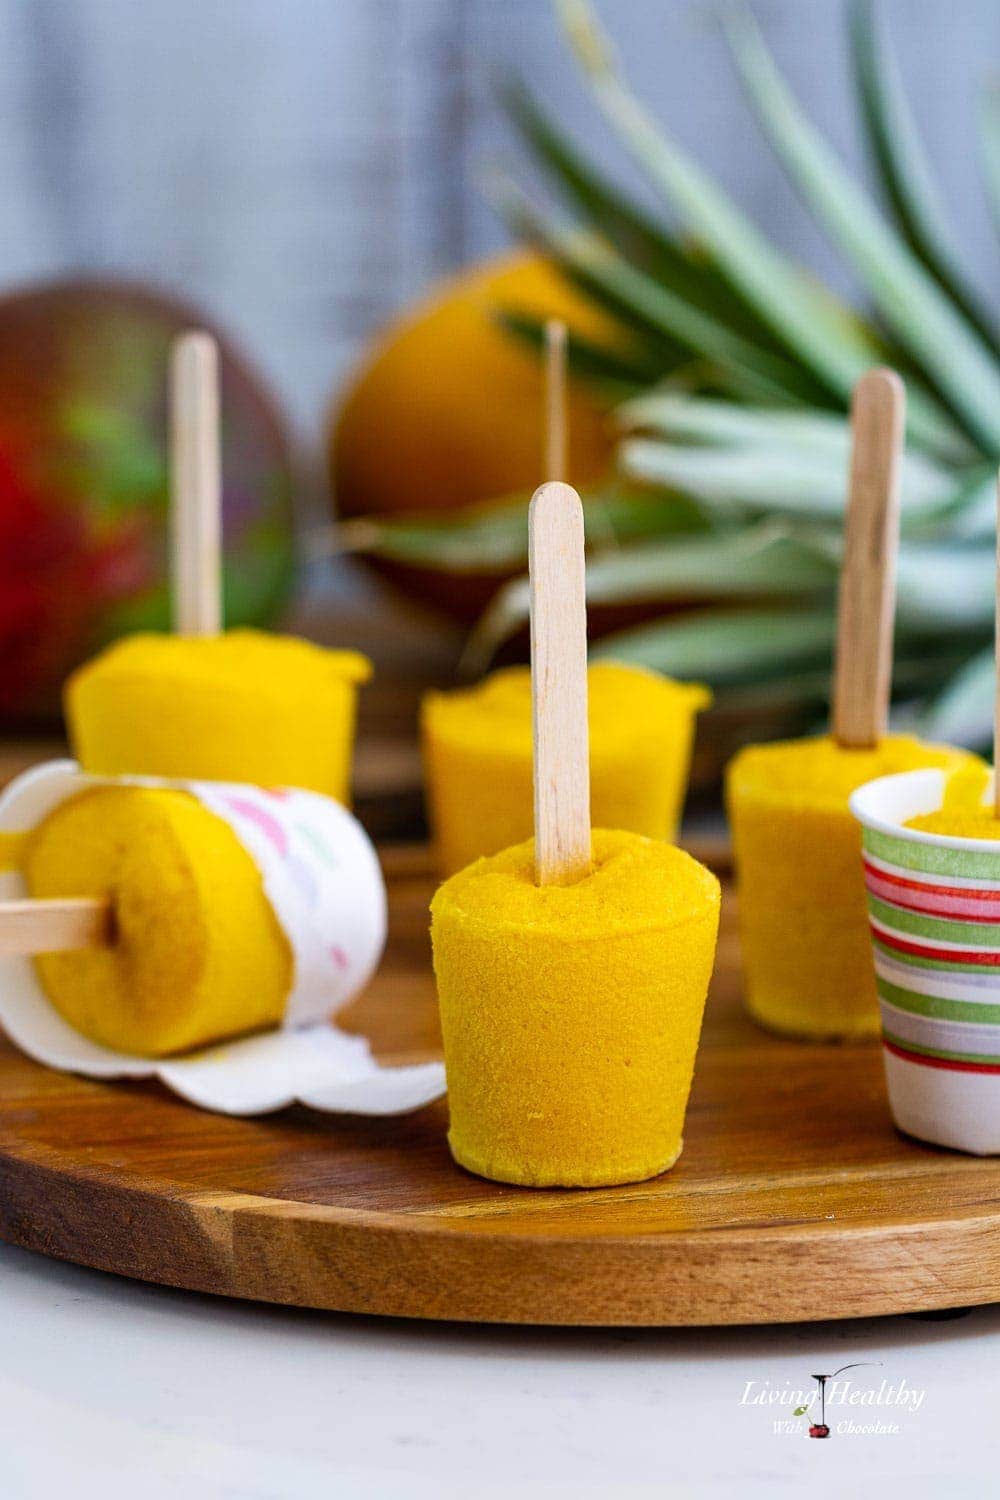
[{"x": 731, "y": 380}]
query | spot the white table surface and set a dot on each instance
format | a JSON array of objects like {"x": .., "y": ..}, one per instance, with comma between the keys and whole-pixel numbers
[{"x": 111, "y": 1388}]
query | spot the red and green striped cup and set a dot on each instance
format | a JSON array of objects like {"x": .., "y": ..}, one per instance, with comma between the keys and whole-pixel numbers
[{"x": 934, "y": 908}]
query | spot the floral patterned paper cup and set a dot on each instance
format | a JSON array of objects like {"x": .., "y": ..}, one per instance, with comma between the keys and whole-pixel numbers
[
  {"x": 934, "y": 905},
  {"x": 322, "y": 878}
]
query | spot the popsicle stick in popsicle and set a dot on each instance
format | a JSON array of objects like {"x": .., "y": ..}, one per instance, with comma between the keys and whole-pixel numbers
[
  {"x": 863, "y": 669},
  {"x": 555, "y": 400},
  {"x": 56, "y": 925},
  {"x": 559, "y": 685},
  {"x": 195, "y": 486}
]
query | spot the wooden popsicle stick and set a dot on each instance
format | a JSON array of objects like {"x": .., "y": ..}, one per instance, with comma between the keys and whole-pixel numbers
[
  {"x": 195, "y": 486},
  {"x": 863, "y": 670},
  {"x": 556, "y": 569},
  {"x": 555, "y": 400},
  {"x": 55, "y": 926}
]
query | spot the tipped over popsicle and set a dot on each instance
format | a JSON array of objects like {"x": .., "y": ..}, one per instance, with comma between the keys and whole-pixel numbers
[
  {"x": 572, "y": 969},
  {"x": 803, "y": 920},
  {"x": 163, "y": 919},
  {"x": 238, "y": 706}
]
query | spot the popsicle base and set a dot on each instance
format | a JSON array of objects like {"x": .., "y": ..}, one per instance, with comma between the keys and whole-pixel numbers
[
  {"x": 787, "y": 1022},
  {"x": 617, "y": 1175}
]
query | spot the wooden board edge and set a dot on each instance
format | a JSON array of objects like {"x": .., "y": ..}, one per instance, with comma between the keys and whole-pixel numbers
[{"x": 352, "y": 1261}]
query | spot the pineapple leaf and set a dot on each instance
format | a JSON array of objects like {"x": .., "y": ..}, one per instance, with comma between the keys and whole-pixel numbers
[
  {"x": 829, "y": 343},
  {"x": 642, "y": 303},
  {"x": 905, "y": 171},
  {"x": 726, "y": 646},
  {"x": 801, "y": 480},
  {"x": 973, "y": 515},
  {"x": 700, "y": 419},
  {"x": 989, "y": 132},
  {"x": 637, "y": 236},
  {"x": 634, "y": 232},
  {"x": 934, "y": 496},
  {"x": 618, "y": 371},
  {"x": 811, "y": 687},
  {"x": 755, "y": 563},
  {"x": 493, "y": 537},
  {"x": 963, "y": 713},
  {"x": 923, "y": 318},
  {"x": 946, "y": 588}
]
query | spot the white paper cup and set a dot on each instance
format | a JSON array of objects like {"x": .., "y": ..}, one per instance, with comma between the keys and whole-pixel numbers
[
  {"x": 934, "y": 908},
  {"x": 322, "y": 877}
]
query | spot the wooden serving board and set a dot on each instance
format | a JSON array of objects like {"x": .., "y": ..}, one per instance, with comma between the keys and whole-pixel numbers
[{"x": 794, "y": 1199}]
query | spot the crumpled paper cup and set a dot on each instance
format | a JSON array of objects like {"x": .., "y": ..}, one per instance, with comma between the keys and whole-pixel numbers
[
  {"x": 934, "y": 908},
  {"x": 322, "y": 877}
]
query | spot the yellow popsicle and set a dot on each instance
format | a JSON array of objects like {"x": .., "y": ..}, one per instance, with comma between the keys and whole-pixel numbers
[
  {"x": 478, "y": 760},
  {"x": 198, "y": 953},
  {"x": 571, "y": 1014},
  {"x": 243, "y": 706},
  {"x": 803, "y": 918}
]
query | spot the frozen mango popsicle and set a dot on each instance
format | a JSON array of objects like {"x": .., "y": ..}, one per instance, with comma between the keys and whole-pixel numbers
[
  {"x": 242, "y": 706},
  {"x": 572, "y": 969},
  {"x": 206, "y": 704},
  {"x": 803, "y": 918},
  {"x": 195, "y": 914},
  {"x": 477, "y": 754},
  {"x": 805, "y": 942},
  {"x": 197, "y": 953},
  {"x": 963, "y": 814},
  {"x": 571, "y": 1014}
]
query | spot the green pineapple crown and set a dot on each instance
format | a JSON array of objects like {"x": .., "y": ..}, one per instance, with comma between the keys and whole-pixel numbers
[{"x": 730, "y": 380}]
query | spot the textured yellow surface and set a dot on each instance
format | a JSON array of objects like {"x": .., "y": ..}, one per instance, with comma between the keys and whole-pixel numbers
[
  {"x": 962, "y": 814},
  {"x": 198, "y": 954},
  {"x": 244, "y": 706},
  {"x": 977, "y": 824},
  {"x": 477, "y": 756},
  {"x": 965, "y": 788},
  {"x": 955, "y": 820},
  {"x": 803, "y": 920},
  {"x": 11, "y": 849},
  {"x": 571, "y": 1014}
]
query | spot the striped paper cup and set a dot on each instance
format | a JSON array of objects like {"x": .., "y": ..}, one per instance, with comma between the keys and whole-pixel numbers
[{"x": 934, "y": 906}]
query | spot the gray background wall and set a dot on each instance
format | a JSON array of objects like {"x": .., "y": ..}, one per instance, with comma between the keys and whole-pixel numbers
[{"x": 302, "y": 167}]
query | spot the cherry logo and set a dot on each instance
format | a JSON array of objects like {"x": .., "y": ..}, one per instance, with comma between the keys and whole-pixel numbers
[{"x": 820, "y": 1429}]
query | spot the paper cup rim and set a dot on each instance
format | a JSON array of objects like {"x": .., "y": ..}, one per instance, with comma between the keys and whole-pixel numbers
[
  {"x": 927, "y": 789},
  {"x": 866, "y": 800}
]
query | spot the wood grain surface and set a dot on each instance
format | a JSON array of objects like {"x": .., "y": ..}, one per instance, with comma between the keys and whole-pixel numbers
[
  {"x": 554, "y": 462},
  {"x": 55, "y": 925},
  {"x": 794, "y": 1199},
  {"x": 867, "y": 605},
  {"x": 560, "y": 734},
  {"x": 195, "y": 486}
]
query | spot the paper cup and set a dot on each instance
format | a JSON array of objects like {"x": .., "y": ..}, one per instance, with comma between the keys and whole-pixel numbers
[
  {"x": 934, "y": 909},
  {"x": 323, "y": 880}
]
